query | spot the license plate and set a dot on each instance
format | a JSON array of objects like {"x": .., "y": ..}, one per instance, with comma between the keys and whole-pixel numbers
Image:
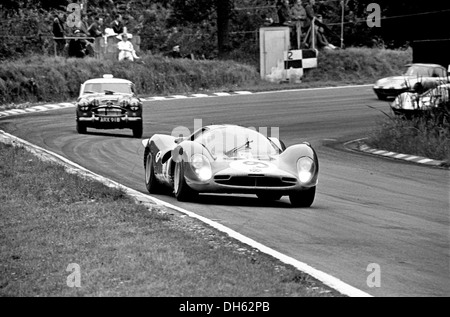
[{"x": 103, "y": 119}]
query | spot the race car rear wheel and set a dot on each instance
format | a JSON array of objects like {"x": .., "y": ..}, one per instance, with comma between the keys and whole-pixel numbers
[
  {"x": 152, "y": 184},
  {"x": 81, "y": 128},
  {"x": 181, "y": 189},
  {"x": 303, "y": 198},
  {"x": 269, "y": 196},
  {"x": 138, "y": 130}
]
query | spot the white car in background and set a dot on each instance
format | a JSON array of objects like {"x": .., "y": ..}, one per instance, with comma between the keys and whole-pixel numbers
[{"x": 417, "y": 78}]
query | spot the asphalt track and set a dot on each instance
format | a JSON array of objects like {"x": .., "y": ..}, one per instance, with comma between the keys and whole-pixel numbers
[{"x": 368, "y": 210}]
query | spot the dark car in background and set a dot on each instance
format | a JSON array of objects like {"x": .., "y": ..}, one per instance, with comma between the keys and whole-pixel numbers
[{"x": 109, "y": 103}]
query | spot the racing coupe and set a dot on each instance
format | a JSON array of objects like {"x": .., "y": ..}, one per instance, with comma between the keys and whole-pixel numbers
[
  {"x": 230, "y": 159},
  {"x": 109, "y": 103},
  {"x": 417, "y": 78}
]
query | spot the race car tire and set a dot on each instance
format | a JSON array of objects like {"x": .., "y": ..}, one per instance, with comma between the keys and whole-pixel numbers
[
  {"x": 151, "y": 183},
  {"x": 269, "y": 196},
  {"x": 138, "y": 130},
  {"x": 181, "y": 189},
  {"x": 81, "y": 128},
  {"x": 303, "y": 198}
]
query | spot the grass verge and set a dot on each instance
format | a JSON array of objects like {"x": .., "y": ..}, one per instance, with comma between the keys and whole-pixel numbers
[
  {"x": 427, "y": 136},
  {"x": 50, "y": 219}
]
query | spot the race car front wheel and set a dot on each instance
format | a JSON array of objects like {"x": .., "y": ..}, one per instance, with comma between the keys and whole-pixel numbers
[
  {"x": 303, "y": 198},
  {"x": 182, "y": 190},
  {"x": 151, "y": 183}
]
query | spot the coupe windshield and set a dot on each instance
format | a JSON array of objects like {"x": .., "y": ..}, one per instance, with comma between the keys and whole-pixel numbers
[
  {"x": 120, "y": 88},
  {"x": 236, "y": 142},
  {"x": 424, "y": 71}
]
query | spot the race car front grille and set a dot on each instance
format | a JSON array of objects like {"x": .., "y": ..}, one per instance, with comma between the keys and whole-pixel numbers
[{"x": 255, "y": 181}]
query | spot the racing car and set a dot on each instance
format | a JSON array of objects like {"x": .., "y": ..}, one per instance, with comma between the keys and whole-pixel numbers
[
  {"x": 417, "y": 78},
  {"x": 410, "y": 104},
  {"x": 230, "y": 159},
  {"x": 109, "y": 103}
]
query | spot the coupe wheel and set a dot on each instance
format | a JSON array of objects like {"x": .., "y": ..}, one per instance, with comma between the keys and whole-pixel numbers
[
  {"x": 182, "y": 190},
  {"x": 152, "y": 184},
  {"x": 81, "y": 128},
  {"x": 303, "y": 198}
]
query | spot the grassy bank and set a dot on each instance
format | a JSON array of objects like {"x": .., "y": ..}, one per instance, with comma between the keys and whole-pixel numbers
[
  {"x": 45, "y": 79},
  {"x": 426, "y": 136},
  {"x": 50, "y": 219}
]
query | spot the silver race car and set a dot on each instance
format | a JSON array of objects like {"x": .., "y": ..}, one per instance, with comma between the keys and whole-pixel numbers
[
  {"x": 417, "y": 78},
  {"x": 231, "y": 159}
]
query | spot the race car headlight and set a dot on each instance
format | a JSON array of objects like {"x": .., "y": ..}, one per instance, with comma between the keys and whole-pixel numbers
[
  {"x": 201, "y": 167},
  {"x": 305, "y": 168}
]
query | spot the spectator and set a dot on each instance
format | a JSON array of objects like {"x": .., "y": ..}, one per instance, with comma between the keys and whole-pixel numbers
[
  {"x": 58, "y": 31},
  {"x": 284, "y": 14},
  {"x": 96, "y": 28},
  {"x": 309, "y": 10},
  {"x": 176, "y": 52},
  {"x": 322, "y": 41},
  {"x": 299, "y": 17},
  {"x": 267, "y": 21},
  {"x": 117, "y": 24},
  {"x": 126, "y": 49},
  {"x": 77, "y": 47},
  {"x": 83, "y": 25}
]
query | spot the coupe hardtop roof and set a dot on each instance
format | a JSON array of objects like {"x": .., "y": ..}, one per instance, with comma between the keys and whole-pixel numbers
[
  {"x": 107, "y": 80},
  {"x": 425, "y": 65}
]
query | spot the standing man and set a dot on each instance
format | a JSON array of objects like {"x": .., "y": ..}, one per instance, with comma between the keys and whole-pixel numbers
[
  {"x": 283, "y": 11},
  {"x": 96, "y": 28},
  {"x": 58, "y": 31},
  {"x": 299, "y": 17}
]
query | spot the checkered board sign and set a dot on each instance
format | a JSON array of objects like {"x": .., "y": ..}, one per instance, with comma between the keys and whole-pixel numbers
[{"x": 300, "y": 59}]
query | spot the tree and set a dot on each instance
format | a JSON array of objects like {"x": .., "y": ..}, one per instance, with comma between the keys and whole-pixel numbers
[{"x": 224, "y": 9}]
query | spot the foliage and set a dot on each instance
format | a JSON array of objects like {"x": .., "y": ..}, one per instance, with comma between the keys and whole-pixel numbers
[
  {"x": 426, "y": 135},
  {"x": 57, "y": 79}
]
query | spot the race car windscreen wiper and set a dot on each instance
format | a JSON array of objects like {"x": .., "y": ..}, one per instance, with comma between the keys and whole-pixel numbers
[{"x": 237, "y": 148}]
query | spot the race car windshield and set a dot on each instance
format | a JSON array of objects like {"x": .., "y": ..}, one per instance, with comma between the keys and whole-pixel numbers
[
  {"x": 115, "y": 88},
  {"x": 424, "y": 71},
  {"x": 233, "y": 141}
]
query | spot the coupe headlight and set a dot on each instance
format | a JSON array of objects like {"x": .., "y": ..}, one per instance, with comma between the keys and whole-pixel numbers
[
  {"x": 134, "y": 105},
  {"x": 305, "y": 168},
  {"x": 83, "y": 104},
  {"x": 201, "y": 166}
]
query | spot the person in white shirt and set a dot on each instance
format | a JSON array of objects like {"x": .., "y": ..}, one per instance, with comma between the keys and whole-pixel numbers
[{"x": 126, "y": 49}]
